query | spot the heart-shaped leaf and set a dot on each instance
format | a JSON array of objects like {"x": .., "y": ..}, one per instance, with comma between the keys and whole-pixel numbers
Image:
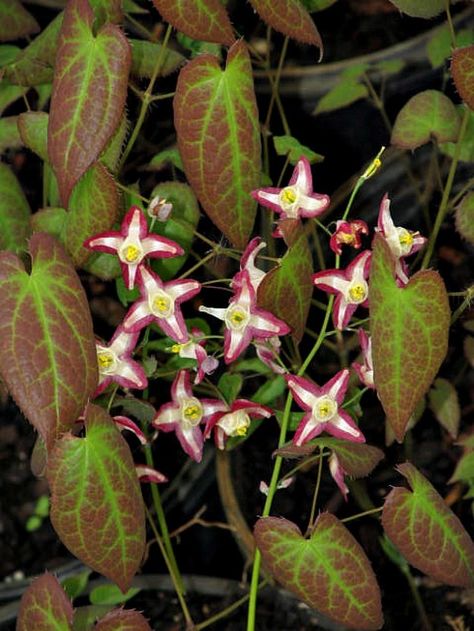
[
  {"x": 444, "y": 403},
  {"x": 427, "y": 115},
  {"x": 344, "y": 93},
  {"x": 462, "y": 70},
  {"x": 287, "y": 289},
  {"x": 427, "y": 532},
  {"x": 420, "y": 8},
  {"x": 123, "y": 620},
  {"x": 14, "y": 212},
  {"x": 45, "y": 606},
  {"x": 89, "y": 92},
  {"x": 290, "y": 18},
  {"x": 96, "y": 503},
  {"x": 329, "y": 571},
  {"x": 409, "y": 328},
  {"x": 15, "y": 21},
  {"x": 216, "y": 121},
  {"x": 204, "y": 20},
  {"x": 47, "y": 345}
]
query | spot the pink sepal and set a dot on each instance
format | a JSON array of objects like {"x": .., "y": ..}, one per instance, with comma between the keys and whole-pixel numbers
[
  {"x": 348, "y": 233},
  {"x": 337, "y": 473},
  {"x": 125, "y": 423},
  {"x": 267, "y": 350},
  {"x": 365, "y": 371},
  {"x": 148, "y": 474}
]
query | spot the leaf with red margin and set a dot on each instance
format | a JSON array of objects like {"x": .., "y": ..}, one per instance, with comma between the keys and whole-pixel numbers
[
  {"x": 96, "y": 503},
  {"x": 427, "y": 532},
  {"x": 204, "y": 20},
  {"x": 89, "y": 92},
  {"x": 290, "y": 18},
  {"x": 123, "y": 620},
  {"x": 14, "y": 212},
  {"x": 287, "y": 289},
  {"x": 216, "y": 120},
  {"x": 47, "y": 344},
  {"x": 462, "y": 71},
  {"x": 15, "y": 21},
  {"x": 45, "y": 606},
  {"x": 409, "y": 328},
  {"x": 329, "y": 572}
]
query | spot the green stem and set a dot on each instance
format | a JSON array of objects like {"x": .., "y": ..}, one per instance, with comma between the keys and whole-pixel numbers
[
  {"x": 228, "y": 610},
  {"x": 203, "y": 261},
  {"x": 446, "y": 192},
  {"x": 452, "y": 33},
  {"x": 425, "y": 623},
  {"x": 276, "y": 84},
  {"x": 469, "y": 297},
  {"x": 315, "y": 494},
  {"x": 366, "y": 512}
]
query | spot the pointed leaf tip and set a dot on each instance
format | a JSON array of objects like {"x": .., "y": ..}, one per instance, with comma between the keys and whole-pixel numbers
[{"x": 44, "y": 605}]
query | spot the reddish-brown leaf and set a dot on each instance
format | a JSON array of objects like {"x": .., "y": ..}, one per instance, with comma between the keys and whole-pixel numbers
[
  {"x": 89, "y": 92},
  {"x": 123, "y": 620},
  {"x": 15, "y": 21},
  {"x": 462, "y": 70},
  {"x": 44, "y": 606}
]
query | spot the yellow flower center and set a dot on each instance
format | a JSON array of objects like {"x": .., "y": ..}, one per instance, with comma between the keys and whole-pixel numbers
[
  {"x": 289, "y": 199},
  {"x": 161, "y": 305},
  {"x": 406, "y": 240},
  {"x": 358, "y": 292},
  {"x": 106, "y": 361},
  {"x": 236, "y": 318},
  {"x": 191, "y": 411},
  {"x": 324, "y": 409},
  {"x": 235, "y": 424},
  {"x": 347, "y": 238},
  {"x": 131, "y": 254}
]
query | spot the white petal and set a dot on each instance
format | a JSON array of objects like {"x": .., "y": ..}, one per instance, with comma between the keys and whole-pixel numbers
[{"x": 217, "y": 313}]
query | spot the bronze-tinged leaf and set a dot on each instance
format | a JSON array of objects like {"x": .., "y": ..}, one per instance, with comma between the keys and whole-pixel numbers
[
  {"x": 33, "y": 128},
  {"x": 44, "y": 606},
  {"x": 15, "y": 21},
  {"x": 444, "y": 402},
  {"x": 14, "y": 212},
  {"x": 290, "y": 18},
  {"x": 204, "y": 20},
  {"x": 329, "y": 572},
  {"x": 89, "y": 92},
  {"x": 462, "y": 71},
  {"x": 427, "y": 532},
  {"x": 216, "y": 120},
  {"x": 47, "y": 343},
  {"x": 409, "y": 328},
  {"x": 287, "y": 289},
  {"x": 96, "y": 502},
  {"x": 123, "y": 620}
]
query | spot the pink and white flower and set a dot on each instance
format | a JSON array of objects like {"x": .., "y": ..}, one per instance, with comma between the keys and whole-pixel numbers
[
  {"x": 132, "y": 244},
  {"x": 337, "y": 473},
  {"x": 323, "y": 407},
  {"x": 402, "y": 242},
  {"x": 160, "y": 302},
  {"x": 365, "y": 371},
  {"x": 348, "y": 233},
  {"x": 115, "y": 362},
  {"x": 126, "y": 424},
  {"x": 247, "y": 262},
  {"x": 194, "y": 349},
  {"x": 349, "y": 285},
  {"x": 234, "y": 420},
  {"x": 244, "y": 321},
  {"x": 185, "y": 413},
  {"x": 297, "y": 199},
  {"x": 159, "y": 209},
  {"x": 267, "y": 350},
  {"x": 148, "y": 474}
]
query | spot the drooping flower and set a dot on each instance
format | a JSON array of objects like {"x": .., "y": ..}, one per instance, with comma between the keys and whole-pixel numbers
[
  {"x": 132, "y": 244},
  {"x": 125, "y": 423},
  {"x": 337, "y": 473},
  {"x": 159, "y": 208},
  {"x": 348, "y": 233},
  {"x": 349, "y": 285},
  {"x": 247, "y": 262},
  {"x": 365, "y": 371},
  {"x": 267, "y": 350},
  {"x": 297, "y": 199},
  {"x": 184, "y": 414},
  {"x": 115, "y": 362},
  {"x": 148, "y": 474},
  {"x": 244, "y": 321},
  {"x": 323, "y": 409},
  {"x": 402, "y": 242},
  {"x": 161, "y": 302},
  {"x": 194, "y": 349},
  {"x": 234, "y": 420}
]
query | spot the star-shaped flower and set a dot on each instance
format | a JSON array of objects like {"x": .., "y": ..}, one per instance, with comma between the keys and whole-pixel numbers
[
  {"x": 349, "y": 285},
  {"x": 323, "y": 409},
  {"x": 185, "y": 413},
  {"x": 348, "y": 233},
  {"x": 244, "y": 321},
  {"x": 297, "y": 199},
  {"x": 402, "y": 242},
  {"x": 161, "y": 302},
  {"x": 365, "y": 371},
  {"x": 116, "y": 364},
  {"x": 132, "y": 244},
  {"x": 234, "y": 420}
]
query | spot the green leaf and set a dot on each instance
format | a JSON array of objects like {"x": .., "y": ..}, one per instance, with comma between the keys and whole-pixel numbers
[
  {"x": 439, "y": 46},
  {"x": 409, "y": 328},
  {"x": 111, "y": 595},
  {"x": 355, "y": 71},
  {"x": 420, "y": 8},
  {"x": 466, "y": 153},
  {"x": 287, "y": 289},
  {"x": 50, "y": 220},
  {"x": 15, "y": 21},
  {"x": 290, "y": 18},
  {"x": 229, "y": 385},
  {"x": 427, "y": 115},
  {"x": 89, "y": 68},
  {"x": 317, "y": 5},
  {"x": 42, "y": 506},
  {"x": 111, "y": 155},
  {"x": 85, "y": 618},
  {"x": 33, "y": 128},
  {"x": 106, "y": 11},
  {"x": 289, "y": 146},
  {"x": 47, "y": 344},
  {"x": 167, "y": 156},
  {"x": 390, "y": 66},
  {"x": 200, "y": 19},
  {"x": 142, "y": 410},
  {"x": 44, "y": 605},
  {"x": 427, "y": 532},
  {"x": 14, "y": 212},
  {"x": 465, "y": 217},
  {"x": 444, "y": 403},
  {"x": 8, "y": 54},
  {"x": 9, "y": 94},
  {"x": 270, "y": 391},
  {"x": 123, "y": 620},
  {"x": 9, "y": 135},
  {"x": 464, "y": 471},
  {"x": 33, "y": 523},
  {"x": 329, "y": 572},
  {"x": 75, "y": 585},
  {"x": 179, "y": 226},
  {"x": 145, "y": 55},
  {"x": 96, "y": 503},
  {"x": 105, "y": 266},
  {"x": 341, "y": 95},
  {"x": 216, "y": 120},
  {"x": 462, "y": 71}
]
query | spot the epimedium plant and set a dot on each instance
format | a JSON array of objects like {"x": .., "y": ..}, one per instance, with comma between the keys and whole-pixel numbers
[{"x": 77, "y": 391}]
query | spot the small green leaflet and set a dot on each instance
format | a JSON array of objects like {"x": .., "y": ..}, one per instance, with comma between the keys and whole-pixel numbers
[
  {"x": 144, "y": 55},
  {"x": 289, "y": 146},
  {"x": 14, "y": 212},
  {"x": 344, "y": 93},
  {"x": 444, "y": 403},
  {"x": 465, "y": 217},
  {"x": 44, "y": 605},
  {"x": 427, "y": 532}
]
